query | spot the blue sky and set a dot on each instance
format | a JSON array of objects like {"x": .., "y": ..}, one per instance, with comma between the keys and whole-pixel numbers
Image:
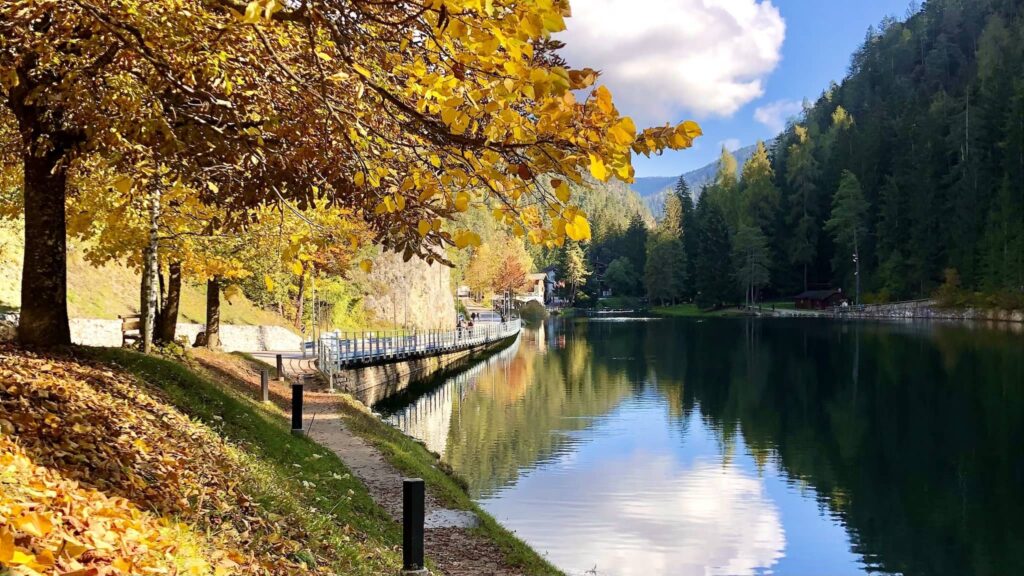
[{"x": 738, "y": 67}]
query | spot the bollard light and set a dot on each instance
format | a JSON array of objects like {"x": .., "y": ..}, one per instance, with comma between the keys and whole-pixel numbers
[
  {"x": 297, "y": 410},
  {"x": 265, "y": 384},
  {"x": 413, "y": 515}
]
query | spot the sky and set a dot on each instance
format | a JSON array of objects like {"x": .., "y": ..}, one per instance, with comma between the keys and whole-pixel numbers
[{"x": 740, "y": 68}]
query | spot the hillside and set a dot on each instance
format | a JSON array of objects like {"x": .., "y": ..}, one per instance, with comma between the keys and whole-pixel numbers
[
  {"x": 111, "y": 290},
  {"x": 926, "y": 131},
  {"x": 377, "y": 299},
  {"x": 653, "y": 189},
  {"x": 115, "y": 463},
  {"x": 104, "y": 473}
]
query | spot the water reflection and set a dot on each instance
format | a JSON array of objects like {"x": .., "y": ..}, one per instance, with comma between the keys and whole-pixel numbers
[{"x": 745, "y": 447}]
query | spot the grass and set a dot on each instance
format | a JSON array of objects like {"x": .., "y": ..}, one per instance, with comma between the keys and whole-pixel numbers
[
  {"x": 693, "y": 311},
  {"x": 291, "y": 477},
  {"x": 412, "y": 458},
  {"x": 263, "y": 431},
  {"x": 621, "y": 303}
]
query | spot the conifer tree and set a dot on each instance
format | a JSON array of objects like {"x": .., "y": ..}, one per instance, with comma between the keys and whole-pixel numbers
[
  {"x": 848, "y": 226},
  {"x": 714, "y": 260}
]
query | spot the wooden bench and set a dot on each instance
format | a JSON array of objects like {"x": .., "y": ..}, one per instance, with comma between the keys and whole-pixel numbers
[{"x": 131, "y": 329}]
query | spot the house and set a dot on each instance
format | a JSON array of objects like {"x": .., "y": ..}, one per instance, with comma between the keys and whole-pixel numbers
[
  {"x": 537, "y": 288},
  {"x": 819, "y": 299}
]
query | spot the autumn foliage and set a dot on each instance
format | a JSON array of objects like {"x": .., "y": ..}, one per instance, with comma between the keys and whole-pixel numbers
[{"x": 100, "y": 475}]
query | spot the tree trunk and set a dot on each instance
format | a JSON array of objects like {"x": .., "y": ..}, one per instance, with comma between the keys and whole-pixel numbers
[
  {"x": 213, "y": 313},
  {"x": 44, "y": 307},
  {"x": 300, "y": 298},
  {"x": 168, "y": 323},
  {"x": 150, "y": 270}
]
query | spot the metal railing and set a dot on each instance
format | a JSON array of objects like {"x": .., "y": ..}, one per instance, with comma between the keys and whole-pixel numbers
[{"x": 340, "y": 350}]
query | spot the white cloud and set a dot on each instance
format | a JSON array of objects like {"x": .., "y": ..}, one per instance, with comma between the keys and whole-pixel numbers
[
  {"x": 776, "y": 114},
  {"x": 664, "y": 58},
  {"x": 730, "y": 144}
]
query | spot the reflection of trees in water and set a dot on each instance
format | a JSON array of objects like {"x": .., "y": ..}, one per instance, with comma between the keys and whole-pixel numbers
[
  {"x": 522, "y": 415},
  {"x": 913, "y": 437},
  {"x": 911, "y": 434}
]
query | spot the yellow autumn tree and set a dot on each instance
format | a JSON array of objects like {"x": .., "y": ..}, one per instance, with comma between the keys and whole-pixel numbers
[{"x": 403, "y": 113}]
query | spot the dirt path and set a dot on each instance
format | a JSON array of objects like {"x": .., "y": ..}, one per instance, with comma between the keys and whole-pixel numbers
[{"x": 450, "y": 542}]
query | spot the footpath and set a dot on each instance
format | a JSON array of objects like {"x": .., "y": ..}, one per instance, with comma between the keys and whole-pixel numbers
[{"x": 453, "y": 542}]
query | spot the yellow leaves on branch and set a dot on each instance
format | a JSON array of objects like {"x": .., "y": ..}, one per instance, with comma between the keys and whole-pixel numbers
[
  {"x": 399, "y": 125},
  {"x": 466, "y": 239}
]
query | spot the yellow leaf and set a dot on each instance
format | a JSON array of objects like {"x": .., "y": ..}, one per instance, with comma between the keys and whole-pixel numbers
[
  {"x": 562, "y": 191},
  {"x": 35, "y": 524},
  {"x": 19, "y": 558},
  {"x": 462, "y": 202},
  {"x": 123, "y": 185},
  {"x": 232, "y": 291},
  {"x": 597, "y": 168},
  {"x": 6, "y": 546},
  {"x": 604, "y": 100},
  {"x": 366, "y": 265},
  {"x": 423, "y": 227},
  {"x": 692, "y": 129},
  {"x": 269, "y": 282},
  {"x": 360, "y": 178},
  {"x": 465, "y": 238},
  {"x": 578, "y": 229},
  {"x": 435, "y": 161}
]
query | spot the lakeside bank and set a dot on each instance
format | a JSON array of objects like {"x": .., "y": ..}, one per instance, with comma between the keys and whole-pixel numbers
[{"x": 288, "y": 505}]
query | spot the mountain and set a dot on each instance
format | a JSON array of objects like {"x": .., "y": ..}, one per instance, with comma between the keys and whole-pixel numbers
[{"x": 653, "y": 189}]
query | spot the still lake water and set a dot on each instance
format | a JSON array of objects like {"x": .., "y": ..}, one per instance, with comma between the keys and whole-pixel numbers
[{"x": 739, "y": 447}]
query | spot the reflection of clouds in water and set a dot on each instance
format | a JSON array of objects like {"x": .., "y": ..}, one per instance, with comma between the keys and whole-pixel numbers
[{"x": 646, "y": 515}]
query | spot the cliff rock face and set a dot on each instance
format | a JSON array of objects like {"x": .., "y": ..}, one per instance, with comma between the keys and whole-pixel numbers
[{"x": 411, "y": 293}]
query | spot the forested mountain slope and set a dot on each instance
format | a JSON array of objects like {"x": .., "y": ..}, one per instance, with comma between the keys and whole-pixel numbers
[
  {"x": 655, "y": 189},
  {"x": 930, "y": 121}
]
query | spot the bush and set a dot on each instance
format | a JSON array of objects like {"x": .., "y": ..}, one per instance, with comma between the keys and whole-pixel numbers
[{"x": 533, "y": 312}]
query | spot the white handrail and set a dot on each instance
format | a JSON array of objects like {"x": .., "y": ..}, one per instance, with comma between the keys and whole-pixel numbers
[{"x": 342, "y": 348}]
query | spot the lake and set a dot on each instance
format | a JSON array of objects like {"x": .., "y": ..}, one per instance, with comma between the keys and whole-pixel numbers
[{"x": 628, "y": 447}]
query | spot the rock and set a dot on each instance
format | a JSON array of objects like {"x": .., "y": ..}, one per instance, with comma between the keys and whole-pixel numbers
[{"x": 411, "y": 293}]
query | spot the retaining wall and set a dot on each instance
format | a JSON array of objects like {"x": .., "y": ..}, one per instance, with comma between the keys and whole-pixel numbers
[
  {"x": 98, "y": 332},
  {"x": 927, "y": 310},
  {"x": 372, "y": 384}
]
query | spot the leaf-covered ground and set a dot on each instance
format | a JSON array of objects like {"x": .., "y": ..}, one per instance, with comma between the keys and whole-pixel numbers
[{"x": 103, "y": 474}]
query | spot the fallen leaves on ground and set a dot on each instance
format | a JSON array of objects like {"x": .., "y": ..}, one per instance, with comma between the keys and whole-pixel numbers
[{"x": 99, "y": 476}]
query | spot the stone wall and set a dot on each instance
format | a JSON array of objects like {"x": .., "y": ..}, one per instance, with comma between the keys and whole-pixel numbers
[
  {"x": 375, "y": 383},
  {"x": 928, "y": 310},
  {"x": 234, "y": 338},
  {"x": 411, "y": 293}
]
